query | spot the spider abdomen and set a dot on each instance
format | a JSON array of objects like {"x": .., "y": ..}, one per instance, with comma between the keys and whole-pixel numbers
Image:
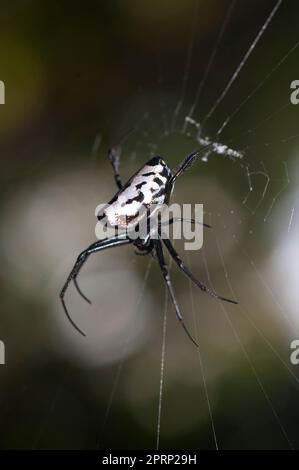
[{"x": 147, "y": 187}]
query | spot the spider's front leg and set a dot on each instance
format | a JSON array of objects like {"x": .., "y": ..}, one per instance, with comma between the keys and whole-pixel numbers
[
  {"x": 94, "y": 248},
  {"x": 114, "y": 154}
]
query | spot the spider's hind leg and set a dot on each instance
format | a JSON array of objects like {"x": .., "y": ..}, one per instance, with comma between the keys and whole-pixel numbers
[
  {"x": 165, "y": 272},
  {"x": 114, "y": 154},
  {"x": 80, "y": 291},
  {"x": 191, "y": 276},
  {"x": 190, "y": 221}
]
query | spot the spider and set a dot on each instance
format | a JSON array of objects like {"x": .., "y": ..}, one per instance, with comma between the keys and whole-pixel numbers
[{"x": 152, "y": 184}]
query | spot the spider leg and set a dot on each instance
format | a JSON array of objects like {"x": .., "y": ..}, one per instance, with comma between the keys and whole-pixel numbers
[
  {"x": 191, "y": 221},
  {"x": 94, "y": 248},
  {"x": 165, "y": 272},
  {"x": 114, "y": 154},
  {"x": 186, "y": 163},
  {"x": 114, "y": 157},
  {"x": 189, "y": 274},
  {"x": 80, "y": 291},
  {"x": 172, "y": 220}
]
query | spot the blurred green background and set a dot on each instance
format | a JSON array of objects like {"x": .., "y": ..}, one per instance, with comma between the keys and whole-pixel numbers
[{"x": 78, "y": 76}]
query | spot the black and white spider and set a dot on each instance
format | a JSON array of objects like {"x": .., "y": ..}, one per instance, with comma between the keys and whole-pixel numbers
[{"x": 152, "y": 184}]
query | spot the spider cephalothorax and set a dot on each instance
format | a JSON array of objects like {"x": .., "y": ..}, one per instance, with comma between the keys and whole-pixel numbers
[{"x": 150, "y": 187}]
